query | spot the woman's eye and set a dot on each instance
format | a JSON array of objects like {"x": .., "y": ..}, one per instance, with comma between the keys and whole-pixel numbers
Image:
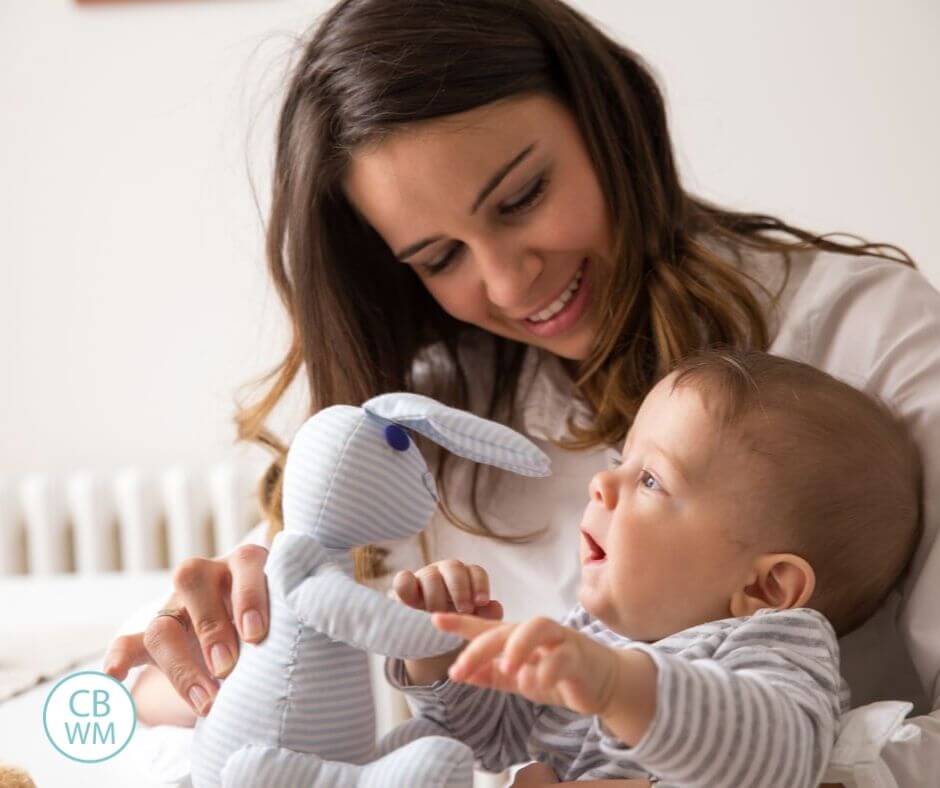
[
  {"x": 529, "y": 198},
  {"x": 649, "y": 481},
  {"x": 439, "y": 265},
  {"x": 524, "y": 202}
]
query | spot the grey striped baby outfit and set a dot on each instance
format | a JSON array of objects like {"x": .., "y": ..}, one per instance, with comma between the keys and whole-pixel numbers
[{"x": 742, "y": 702}]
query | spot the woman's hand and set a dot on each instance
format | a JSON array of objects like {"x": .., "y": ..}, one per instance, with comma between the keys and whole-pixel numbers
[
  {"x": 214, "y": 602},
  {"x": 443, "y": 586}
]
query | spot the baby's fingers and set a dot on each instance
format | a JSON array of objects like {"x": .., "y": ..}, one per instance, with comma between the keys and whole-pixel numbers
[
  {"x": 492, "y": 611},
  {"x": 481, "y": 651},
  {"x": 468, "y": 627},
  {"x": 491, "y": 677},
  {"x": 458, "y": 582},
  {"x": 408, "y": 590},
  {"x": 480, "y": 583},
  {"x": 529, "y": 636}
]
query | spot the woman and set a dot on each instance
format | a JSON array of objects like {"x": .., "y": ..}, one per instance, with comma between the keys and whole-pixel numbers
[{"x": 478, "y": 200}]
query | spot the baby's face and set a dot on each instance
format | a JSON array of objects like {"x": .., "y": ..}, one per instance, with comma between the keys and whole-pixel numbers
[{"x": 662, "y": 538}]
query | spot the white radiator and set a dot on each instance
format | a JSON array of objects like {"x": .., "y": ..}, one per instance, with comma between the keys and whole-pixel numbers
[{"x": 126, "y": 521}]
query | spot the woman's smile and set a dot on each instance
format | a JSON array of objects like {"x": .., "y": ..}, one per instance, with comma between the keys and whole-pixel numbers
[
  {"x": 565, "y": 310},
  {"x": 513, "y": 226}
]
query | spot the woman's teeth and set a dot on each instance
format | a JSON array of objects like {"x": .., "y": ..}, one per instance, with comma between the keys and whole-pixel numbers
[{"x": 555, "y": 307}]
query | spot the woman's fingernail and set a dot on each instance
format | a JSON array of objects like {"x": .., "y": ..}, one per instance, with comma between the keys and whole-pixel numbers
[
  {"x": 482, "y": 599},
  {"x": 221, "y": 658},
  {"x": 251, "y": 625},
  {"x": 198, "y": 697}
]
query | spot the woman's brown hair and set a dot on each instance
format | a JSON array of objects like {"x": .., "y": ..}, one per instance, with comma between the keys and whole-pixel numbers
[{"x": 359, "y": 320}]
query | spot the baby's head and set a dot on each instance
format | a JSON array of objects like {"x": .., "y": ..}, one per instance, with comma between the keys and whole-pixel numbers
[{"x": 750, "y": 481}]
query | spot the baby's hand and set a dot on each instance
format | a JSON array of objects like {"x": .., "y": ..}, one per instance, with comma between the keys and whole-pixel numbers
[
  {"x": 444, "y": 586},
  {"x": 541, "y": 659},
  {"x": 448, "y": 586}
]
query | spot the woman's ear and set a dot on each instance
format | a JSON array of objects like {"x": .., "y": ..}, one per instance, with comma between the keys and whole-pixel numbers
[{"x": 776, "y": 580}]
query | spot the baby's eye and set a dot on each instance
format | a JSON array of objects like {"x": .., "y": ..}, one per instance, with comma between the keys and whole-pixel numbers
[
  {"x": 615, "y": 462},
  {"x": 649, "y": 481}
]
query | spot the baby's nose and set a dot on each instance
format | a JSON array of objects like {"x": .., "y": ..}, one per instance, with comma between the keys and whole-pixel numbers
[{"x": 603, "y": 489}]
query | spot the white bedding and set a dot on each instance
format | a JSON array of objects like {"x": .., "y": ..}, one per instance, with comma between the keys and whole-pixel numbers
[{"x": 55, "y": 625}]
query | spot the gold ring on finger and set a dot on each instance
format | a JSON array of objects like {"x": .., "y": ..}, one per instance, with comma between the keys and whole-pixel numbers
[{"x": 177, "y": 613}]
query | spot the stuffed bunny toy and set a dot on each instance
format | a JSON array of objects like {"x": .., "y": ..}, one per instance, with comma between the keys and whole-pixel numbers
[{"x": 297, "y": 710}]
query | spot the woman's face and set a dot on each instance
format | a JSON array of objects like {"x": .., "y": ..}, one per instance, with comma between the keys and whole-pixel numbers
[{"x": 500, "y": 214}]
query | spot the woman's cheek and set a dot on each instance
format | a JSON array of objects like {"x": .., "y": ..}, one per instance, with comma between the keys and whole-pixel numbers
[
  {"x": 567, "y": 226},
  {"x": 454, "y": 299}
]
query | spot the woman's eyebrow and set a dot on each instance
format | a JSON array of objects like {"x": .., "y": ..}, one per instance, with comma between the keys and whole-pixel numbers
[{"x": 491, "y": 184}]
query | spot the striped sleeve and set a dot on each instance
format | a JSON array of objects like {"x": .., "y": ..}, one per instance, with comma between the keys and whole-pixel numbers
[
  {"x": 495, "y": 725},
  {"x": 762, "y": 710}
]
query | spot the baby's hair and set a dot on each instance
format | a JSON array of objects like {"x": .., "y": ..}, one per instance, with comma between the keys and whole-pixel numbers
[{"x": 844, "y": 478}]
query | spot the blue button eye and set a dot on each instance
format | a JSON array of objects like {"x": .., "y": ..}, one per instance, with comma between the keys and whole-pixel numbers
[{"x": 396, "y": 437}]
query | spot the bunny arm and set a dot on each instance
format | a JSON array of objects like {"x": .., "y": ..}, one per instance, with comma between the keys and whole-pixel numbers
[{"x": 331, "y": 602}]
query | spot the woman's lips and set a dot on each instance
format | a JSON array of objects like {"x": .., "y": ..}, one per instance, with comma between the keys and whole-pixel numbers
[
  {"x": 596, "y": 552},
  {"x": 564, "y": 320}
]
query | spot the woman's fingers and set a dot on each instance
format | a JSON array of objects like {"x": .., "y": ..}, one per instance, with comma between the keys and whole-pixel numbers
[
  {"x": 202, "y": 584},
  {"x": 177, "y": 653},
  {"x": 249, "y": 601},
  {"x": 124, "y": 653},
  {"x": 199, "y": 640}
]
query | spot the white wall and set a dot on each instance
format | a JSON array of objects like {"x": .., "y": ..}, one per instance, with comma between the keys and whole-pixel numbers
[{"x": 132, "y": 294}]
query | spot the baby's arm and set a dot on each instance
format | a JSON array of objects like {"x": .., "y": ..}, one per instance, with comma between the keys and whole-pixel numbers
[
  {"x": 553, "y": 664},
  {"x": 763, "y": 708},
  {"x": 443, "y": 586}
]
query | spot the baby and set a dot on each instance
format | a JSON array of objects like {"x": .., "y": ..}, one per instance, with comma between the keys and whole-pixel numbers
[{"x": 759, "y": 510}]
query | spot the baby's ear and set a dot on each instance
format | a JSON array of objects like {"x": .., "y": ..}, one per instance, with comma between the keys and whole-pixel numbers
[{"x": 777, "y": 580}]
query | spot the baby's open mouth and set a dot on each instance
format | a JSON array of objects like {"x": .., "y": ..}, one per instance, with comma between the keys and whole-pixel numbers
[{"x": 597, "y": 552}]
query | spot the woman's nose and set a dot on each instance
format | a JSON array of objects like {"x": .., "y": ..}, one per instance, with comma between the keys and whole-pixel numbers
[
  {"x": 603, "y": 489},
  {"x": 508, "y": 277}
]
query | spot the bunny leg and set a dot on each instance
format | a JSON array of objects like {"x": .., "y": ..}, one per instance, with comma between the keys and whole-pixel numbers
[
  {"x": 274, "y": 767},
  {"x": 431, "y": 762}
]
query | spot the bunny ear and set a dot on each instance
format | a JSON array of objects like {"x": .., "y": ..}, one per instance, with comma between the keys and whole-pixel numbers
[{"x": 462, "y": 433}]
